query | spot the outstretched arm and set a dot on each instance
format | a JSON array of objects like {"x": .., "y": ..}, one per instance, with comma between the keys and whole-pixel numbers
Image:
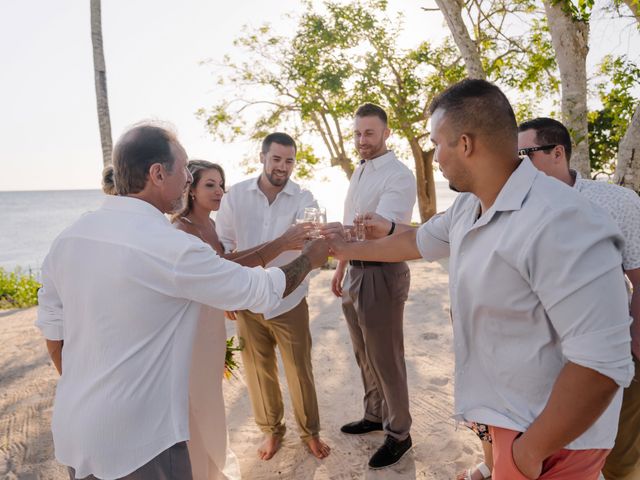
[{"x": 394, "y": 248}]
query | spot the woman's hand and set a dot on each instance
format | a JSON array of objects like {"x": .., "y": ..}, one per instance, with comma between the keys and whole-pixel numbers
[
  {"x": 230, "y": 315},
  {"x": 296, "y": 235}
]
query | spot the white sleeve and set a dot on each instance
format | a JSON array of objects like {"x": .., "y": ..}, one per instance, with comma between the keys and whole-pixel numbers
[
  {"x": 432, "y": 238},
  {"x": 225, "y": 223},
  {"x": 202, "y": 276},
  {"x": 398, "y": 198},
  {"x": 49, "y": 319}
]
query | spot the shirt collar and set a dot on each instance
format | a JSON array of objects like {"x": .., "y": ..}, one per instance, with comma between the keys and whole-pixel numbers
[
  {"x": 380, "y": 161},
  {"x": 513, "y": 193},
  {"x": 132, "y": 205}
]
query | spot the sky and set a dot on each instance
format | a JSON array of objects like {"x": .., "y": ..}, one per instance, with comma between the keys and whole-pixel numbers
[{"x": 153, "y": 49}]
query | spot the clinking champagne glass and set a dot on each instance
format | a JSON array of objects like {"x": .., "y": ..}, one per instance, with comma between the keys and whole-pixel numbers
[
  {"x": 358, "y": 225},
  {"x": 311, "y": 215}
]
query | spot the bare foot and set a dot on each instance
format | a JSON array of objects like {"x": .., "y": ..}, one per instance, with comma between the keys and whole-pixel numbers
[
  {"x": 269, "y": 447},
  {"x": 318, "y": 447}
]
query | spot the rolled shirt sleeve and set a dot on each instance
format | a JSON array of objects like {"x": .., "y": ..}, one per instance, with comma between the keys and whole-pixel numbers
[
  {"x": 432, "y": 238},
  {"x": 202, "y": 276},
  {"x": 50, "y": 310},
  {"x": 573, "y": 263},
  {"x": 398, "y": 198}
]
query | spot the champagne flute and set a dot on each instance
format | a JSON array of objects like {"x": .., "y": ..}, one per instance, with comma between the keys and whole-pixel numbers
[{"x": 359, "y": 227}]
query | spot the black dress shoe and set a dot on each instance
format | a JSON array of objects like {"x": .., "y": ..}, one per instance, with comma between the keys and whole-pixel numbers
[
  {"x": 361, "y": 427},
  {"x": 390, "y": 452}
]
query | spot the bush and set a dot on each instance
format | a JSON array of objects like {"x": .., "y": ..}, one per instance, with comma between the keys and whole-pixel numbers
[{"x": 18, "y": 289}]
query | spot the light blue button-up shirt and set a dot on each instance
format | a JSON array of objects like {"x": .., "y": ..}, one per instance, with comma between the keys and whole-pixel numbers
[{"x": 535, "y": 282}]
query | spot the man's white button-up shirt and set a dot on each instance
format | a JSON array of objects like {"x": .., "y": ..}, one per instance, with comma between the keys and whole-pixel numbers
[
  {"x": 535, "y": 282},
  {"x": 124, "y": 289},
  {"x": 246, "y": 220},
  {"x": 383, "y": 185}
]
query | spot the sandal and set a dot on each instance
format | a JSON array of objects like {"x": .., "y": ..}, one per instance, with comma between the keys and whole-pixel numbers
[{"x": 481, "y": 467}]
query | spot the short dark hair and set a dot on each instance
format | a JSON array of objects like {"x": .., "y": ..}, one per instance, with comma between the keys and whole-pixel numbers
[
  {"x": 549, "y": 132},
  {"x": 280, "y": 138},
  {"x": 372, "y": 110},
  {"x": 478, "y": 107},
  {"x": 108, "y": 184},
  {"x": 138, "y": 149}
]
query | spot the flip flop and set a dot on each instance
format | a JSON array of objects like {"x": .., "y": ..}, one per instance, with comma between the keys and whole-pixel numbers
[{"x": 482, "y": 467}]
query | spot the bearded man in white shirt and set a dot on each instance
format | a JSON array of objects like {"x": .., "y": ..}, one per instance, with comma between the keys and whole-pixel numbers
[
  {"x": 253, "y": 212},
  {"x": 540, "y": 321},
  {"x": 124, "y": 289},
  {"x": 374, "y": 293}
]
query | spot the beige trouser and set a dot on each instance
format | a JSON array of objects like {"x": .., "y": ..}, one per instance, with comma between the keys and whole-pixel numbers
[
  {"x": 623, "y": 463},
  {"x": 290, "y": 332},
  {"x": 373, "y": 304}
]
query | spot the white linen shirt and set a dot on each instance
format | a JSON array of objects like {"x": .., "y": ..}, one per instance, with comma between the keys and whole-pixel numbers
[
  {"x": 246, "y": 220},
  {"x": 124, "y": 289},
  {"x": 383, "y": 185},
  {"x": 535, "y": 282},
  {"x": 623, "y": 204}
]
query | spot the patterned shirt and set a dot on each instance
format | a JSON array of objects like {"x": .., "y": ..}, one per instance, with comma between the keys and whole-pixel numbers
[{"x": 623, "y": 204}]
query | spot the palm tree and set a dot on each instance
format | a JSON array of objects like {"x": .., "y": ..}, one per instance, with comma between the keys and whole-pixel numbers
[{"x": 100, "y": 73}]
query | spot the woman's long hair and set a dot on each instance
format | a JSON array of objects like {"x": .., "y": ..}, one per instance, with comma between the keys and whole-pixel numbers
[{"x": 197, "y": 167}]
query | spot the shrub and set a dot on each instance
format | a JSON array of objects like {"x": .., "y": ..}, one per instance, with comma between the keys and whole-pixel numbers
[{"x": 18, "y": 289}]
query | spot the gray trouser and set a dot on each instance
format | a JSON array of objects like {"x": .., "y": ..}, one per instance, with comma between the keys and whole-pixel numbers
[
  {"x": 172, "y": 464},
  {"x": 373, "y": 303}
]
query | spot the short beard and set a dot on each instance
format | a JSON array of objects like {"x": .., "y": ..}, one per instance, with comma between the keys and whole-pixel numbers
[{"x": 274, "y": 182}]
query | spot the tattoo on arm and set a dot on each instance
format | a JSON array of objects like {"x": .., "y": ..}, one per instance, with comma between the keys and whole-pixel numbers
[{"x": 295, "y": 272}]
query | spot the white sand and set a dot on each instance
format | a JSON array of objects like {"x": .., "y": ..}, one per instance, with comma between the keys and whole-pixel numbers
[{"x": 27, "y": 382}]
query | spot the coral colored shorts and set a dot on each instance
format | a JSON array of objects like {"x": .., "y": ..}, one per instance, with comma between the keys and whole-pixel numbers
[{"x": 562, "y": 465}]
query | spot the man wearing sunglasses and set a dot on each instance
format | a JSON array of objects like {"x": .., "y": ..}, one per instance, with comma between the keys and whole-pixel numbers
[{"x": 548, "y": 144}]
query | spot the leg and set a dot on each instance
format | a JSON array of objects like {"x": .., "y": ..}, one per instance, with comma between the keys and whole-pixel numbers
[
  {"x": 261, "y": 371},
  {"x": 623, "y": 463},
  {"x": 380, "y": 310},
  {"x": 291, "y": 331},
  {"x": 372, "y": 396}
]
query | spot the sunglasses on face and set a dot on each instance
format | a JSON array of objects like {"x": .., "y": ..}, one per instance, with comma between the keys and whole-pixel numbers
[{"x": 526, "y": 151}]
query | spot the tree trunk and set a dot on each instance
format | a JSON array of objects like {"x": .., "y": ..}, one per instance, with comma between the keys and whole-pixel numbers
[
  {"x": 634, "y": 6},
  {"x": 452, "y": 11},
  {"x": 570, "y": 40},
  {"x": 424, "y": 179},
  {"x": 628, "y": 163},
  {"x": 100, "y": 74}
]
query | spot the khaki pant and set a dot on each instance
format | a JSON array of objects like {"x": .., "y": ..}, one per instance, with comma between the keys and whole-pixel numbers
[
  {"x": 290, "y": 332},
  {"x": 373, "y": 304},
  {"x": 623, "y": 463}
]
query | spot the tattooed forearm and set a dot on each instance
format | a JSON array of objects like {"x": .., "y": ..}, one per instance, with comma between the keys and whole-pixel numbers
[{"x": 295, "y": 272}]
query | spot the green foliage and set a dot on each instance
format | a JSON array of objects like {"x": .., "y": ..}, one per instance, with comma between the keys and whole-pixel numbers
[
  {"x": 618, "y": 78},
  {"x": 579, "y": 10},
  {"x": 18, "y": 289}
]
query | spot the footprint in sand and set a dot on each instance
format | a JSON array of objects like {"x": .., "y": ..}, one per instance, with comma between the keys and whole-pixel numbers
[{"x": 439, "y": 381}]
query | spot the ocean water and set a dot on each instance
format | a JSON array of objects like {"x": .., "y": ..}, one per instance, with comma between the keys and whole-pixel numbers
[{"x": 30, "y": 221}]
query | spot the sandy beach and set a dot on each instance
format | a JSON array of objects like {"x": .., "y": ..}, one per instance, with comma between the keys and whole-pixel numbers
[{"x": 27, "y": 383}]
